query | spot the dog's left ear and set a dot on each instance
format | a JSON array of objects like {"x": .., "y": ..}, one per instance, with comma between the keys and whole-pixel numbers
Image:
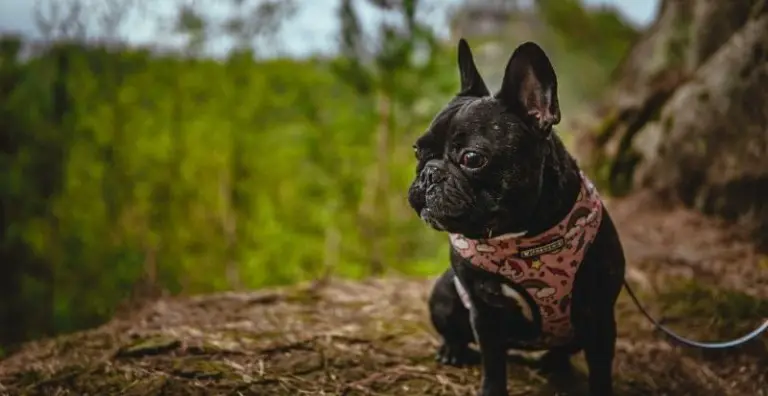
[
  {"x": 529, "y": 87},
  {"x": 472, "y": 83}
]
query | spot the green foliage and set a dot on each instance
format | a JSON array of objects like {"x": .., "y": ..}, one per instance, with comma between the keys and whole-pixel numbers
[
  {"x": 127, "y": 173},
  {"x": 587, "y": 44},
  {"x": 188, "y": 175},
  {"x": 581, "y": 28}
]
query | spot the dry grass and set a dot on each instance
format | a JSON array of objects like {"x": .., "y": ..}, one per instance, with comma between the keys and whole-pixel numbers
[{"x": 373, "y": 337}]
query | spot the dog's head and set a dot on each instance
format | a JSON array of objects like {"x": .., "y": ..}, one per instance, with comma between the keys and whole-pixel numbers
[{"x": 481, "y": 160}]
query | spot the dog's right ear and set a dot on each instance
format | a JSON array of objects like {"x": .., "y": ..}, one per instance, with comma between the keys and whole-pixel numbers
[
  {"x": 530, "y": 87},
  {"x": 471, "y": 82}
]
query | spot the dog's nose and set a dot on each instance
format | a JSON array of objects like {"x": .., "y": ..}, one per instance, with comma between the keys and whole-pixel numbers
[{"x": 434, "y": 172}]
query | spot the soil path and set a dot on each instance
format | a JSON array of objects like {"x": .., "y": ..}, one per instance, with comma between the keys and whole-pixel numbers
[{"x": 373, "y": 337}]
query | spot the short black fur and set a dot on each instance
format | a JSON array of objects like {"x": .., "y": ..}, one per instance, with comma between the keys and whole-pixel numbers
[{"x": 490, "y": 165}]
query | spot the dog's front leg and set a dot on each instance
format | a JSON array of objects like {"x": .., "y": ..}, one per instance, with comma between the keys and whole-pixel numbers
[
  {"x": 599, "y": 344},
  {"x": 489, "y": 334}
]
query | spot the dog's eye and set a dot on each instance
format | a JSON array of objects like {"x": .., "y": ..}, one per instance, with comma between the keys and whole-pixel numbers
[
  {"x": 416, "y": 151},
  {"x": 472, "y": 160}
]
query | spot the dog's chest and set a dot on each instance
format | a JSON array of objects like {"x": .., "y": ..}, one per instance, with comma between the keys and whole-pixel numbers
[
  {"x": 545, "y": 307},
  {"x": 538, "y": 273}
]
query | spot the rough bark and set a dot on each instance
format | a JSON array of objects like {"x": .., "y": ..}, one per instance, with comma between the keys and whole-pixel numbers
[{"x": 688, "y": 114}]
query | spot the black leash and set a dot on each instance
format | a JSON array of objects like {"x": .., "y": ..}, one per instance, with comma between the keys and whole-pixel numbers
[{"x": 705, "y": 345}]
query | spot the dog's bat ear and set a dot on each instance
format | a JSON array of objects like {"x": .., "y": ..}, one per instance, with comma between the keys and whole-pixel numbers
[
  {"x": 472, "y": 83},
  {"x": 530, "y": 87}
]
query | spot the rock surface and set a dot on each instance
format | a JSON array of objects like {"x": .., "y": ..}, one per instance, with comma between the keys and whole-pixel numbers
[{"x": 688, "y": 117}]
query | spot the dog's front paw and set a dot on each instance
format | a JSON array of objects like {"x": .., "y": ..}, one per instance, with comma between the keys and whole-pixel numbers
[
  {"x": 490, "y": 390},
  {"x": 457, "y": 355},
  {"x": 556, "y": 363},
  {"x": 493, "y": 393}
]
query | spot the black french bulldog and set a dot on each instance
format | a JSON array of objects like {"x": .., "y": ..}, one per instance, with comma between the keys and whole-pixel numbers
[{"x": 521, "y": 216}]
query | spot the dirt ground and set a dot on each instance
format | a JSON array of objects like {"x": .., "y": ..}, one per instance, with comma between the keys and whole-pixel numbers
[{"x": 374, "y": 338}]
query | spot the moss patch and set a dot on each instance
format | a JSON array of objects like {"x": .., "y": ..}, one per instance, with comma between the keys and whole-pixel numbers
[{"x": 711, "y": 311}]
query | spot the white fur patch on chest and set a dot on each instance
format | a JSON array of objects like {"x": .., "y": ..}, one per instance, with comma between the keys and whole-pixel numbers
[
  {"x": 506, "y": 291},
  {"x": 521, "y": 302}
]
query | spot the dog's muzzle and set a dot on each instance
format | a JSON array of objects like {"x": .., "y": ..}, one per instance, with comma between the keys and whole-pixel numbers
[
  {"x": 432, "y": 174},
  {"x": 428, "y": 181}
]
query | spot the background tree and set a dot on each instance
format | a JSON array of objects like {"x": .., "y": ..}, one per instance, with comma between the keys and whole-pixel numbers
[
  {"x": 392, "y": 68},
  {"x": 687, "y": 115}
]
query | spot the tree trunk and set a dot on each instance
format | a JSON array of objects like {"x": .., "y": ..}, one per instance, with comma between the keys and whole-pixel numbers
[
  {"x": 688, "y": 114},
  {"x": 372, "y": 210},
  {"x": 228, "y": 221}
]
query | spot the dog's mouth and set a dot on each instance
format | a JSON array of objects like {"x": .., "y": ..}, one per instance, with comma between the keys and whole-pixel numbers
[
  {"x": 455, "y": 225},
  {"x": 445, "y": 214},
  {"x": 427, "y": 216}
]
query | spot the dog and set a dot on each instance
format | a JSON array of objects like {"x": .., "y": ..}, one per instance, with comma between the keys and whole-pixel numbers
[{"x": 535, "y": 260}]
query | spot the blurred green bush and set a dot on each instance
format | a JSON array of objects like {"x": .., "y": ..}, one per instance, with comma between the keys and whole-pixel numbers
[
  {"x": 123, "y": 169},
  {"x": 125, "y": 173}
]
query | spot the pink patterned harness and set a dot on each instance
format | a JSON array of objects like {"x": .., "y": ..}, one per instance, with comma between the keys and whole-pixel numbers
[{"x": 544, "y": 266}]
